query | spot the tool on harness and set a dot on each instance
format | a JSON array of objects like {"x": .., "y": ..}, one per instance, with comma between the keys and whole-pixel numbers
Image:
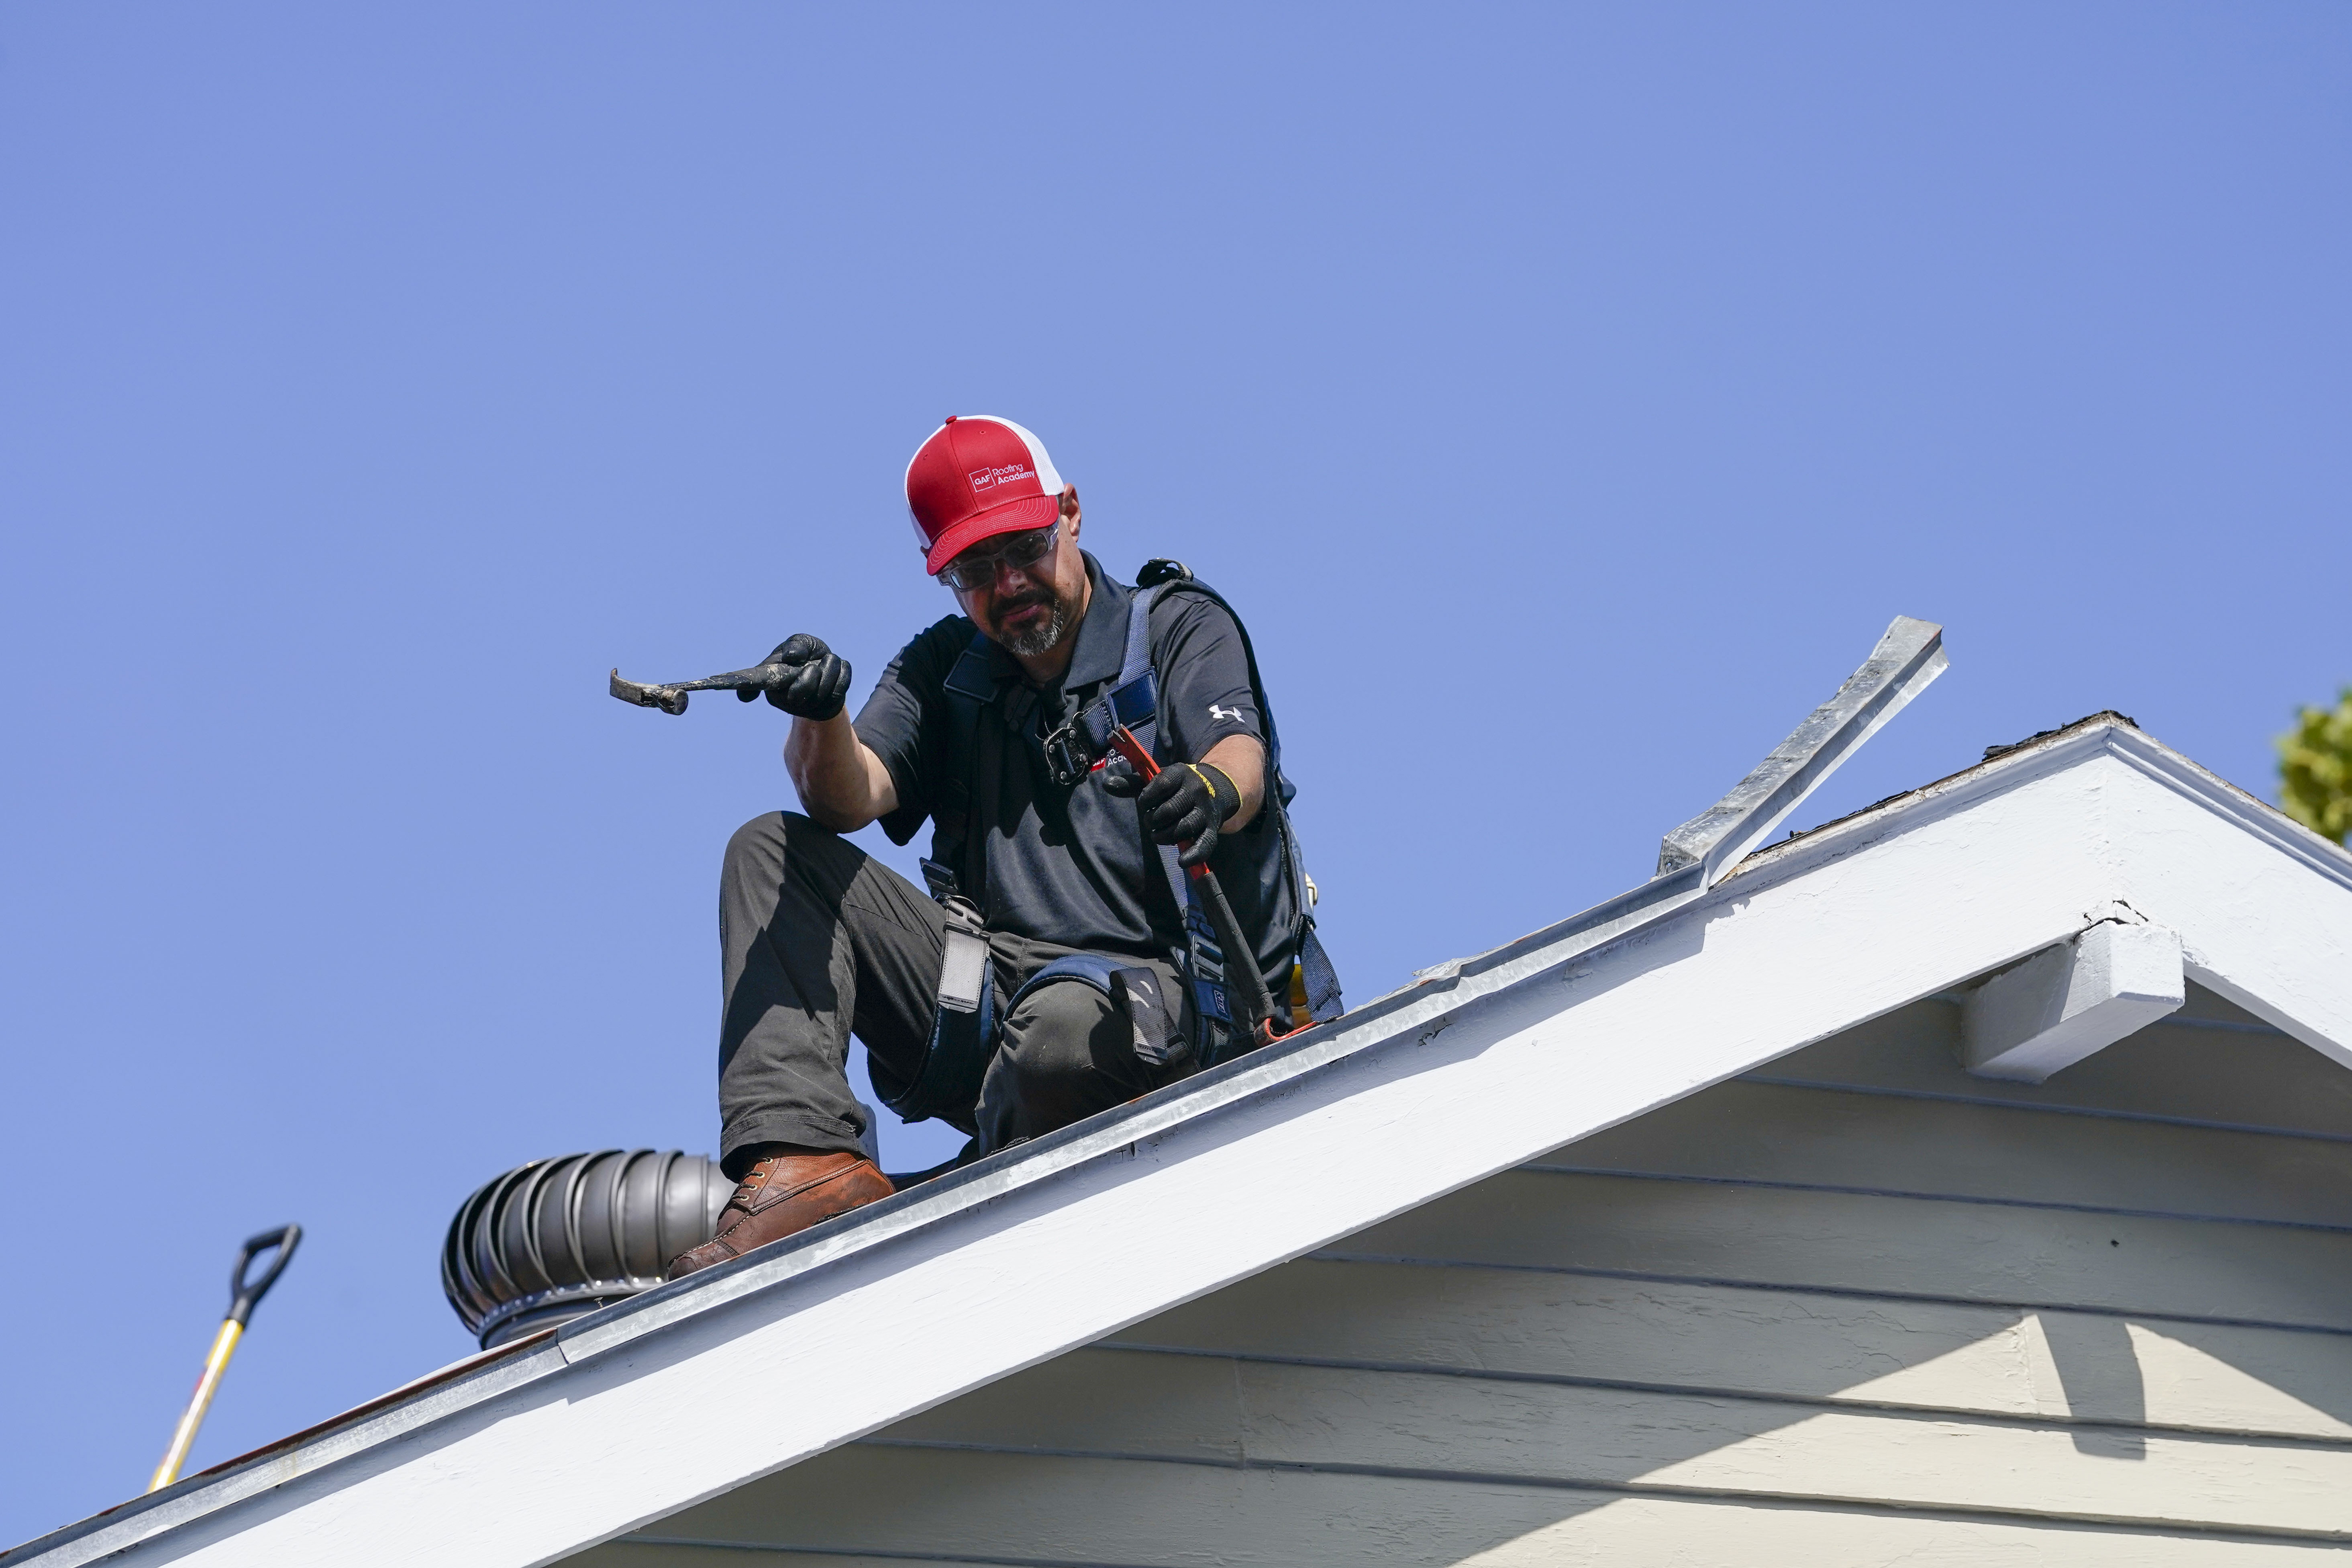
[{"x": 1257, "y": 1003}]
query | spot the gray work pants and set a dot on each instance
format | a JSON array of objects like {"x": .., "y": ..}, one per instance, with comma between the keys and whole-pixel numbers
[{"x": 818, "y": 941}]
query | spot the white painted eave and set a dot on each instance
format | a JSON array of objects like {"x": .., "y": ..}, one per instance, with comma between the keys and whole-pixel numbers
[
  {"x": 2233, "y": 943},
  {"x": 1627, "y": 1006}
]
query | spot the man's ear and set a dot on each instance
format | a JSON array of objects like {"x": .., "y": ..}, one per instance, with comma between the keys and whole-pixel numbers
[{"x": 1070, "y": 507}]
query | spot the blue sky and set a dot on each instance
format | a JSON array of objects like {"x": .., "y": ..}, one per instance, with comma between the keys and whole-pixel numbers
[{"x": 1568, "y": 396}]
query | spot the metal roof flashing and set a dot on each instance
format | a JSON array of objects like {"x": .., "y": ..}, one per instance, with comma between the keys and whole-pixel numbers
[{"x": 1907, "y": 659}]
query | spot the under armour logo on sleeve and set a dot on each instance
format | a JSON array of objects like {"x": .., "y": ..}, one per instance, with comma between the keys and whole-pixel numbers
[{"x": 1233, "y": 713}]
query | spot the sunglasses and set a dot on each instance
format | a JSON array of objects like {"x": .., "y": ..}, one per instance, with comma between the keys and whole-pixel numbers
[{"x": 971, "y": 569}]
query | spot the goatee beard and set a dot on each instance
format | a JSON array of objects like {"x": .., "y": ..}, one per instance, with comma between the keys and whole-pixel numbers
[{"x": 1040, "y": 639}]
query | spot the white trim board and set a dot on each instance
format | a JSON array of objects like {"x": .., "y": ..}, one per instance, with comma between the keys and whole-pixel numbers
[{"x": 694, "y": 1389}]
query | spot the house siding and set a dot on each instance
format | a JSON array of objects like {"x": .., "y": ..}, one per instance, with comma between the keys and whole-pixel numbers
[{"x": 1858, "y": 1307}]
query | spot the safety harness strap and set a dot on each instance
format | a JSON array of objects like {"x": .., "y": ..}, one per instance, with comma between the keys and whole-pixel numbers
[
  {"x": 1322, "y": 981},
  {"x": 958, "y": 863},
  {"x": 1133, "y": 700},
  {"x": 963, "y": 1021}
]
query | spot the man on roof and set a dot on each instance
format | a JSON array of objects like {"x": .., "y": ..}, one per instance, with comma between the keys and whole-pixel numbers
[{"x": 1059, "y": 965}]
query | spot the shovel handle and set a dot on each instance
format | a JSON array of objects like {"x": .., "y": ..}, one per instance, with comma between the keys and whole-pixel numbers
[
  {"x": 243, "y": 1296},
  {"x": 246, "y": 1294}
]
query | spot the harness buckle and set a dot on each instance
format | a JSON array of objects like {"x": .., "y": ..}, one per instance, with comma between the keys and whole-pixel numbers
[
  {"x": 1066, "y": 756},
  {"x": 1073, "y": 750}
]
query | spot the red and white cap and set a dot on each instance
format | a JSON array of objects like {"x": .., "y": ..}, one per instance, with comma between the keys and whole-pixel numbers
[{"x": 978, "y": 475}]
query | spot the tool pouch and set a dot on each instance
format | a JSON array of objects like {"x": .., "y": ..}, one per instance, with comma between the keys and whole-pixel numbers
[{"x": 963, "y": 1024}]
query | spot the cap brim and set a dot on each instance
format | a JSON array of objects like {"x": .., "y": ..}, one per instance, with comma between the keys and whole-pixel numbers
[{"x": 1012, "y": 517}]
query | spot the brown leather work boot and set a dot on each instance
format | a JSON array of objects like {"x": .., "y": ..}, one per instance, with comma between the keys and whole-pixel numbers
[{"x": 785, "y": 1193}]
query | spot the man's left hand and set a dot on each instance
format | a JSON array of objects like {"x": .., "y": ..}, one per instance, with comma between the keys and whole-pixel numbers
[{"x": 1183, "y": 804}]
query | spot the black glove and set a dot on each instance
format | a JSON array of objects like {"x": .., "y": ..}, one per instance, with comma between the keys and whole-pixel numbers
[
  {"x": 1185, "y": 804},
  {"x": 813, "y": 682}
]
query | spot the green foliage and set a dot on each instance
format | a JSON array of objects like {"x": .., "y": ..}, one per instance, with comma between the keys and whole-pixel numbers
[{"x": 2316, "y": 768}]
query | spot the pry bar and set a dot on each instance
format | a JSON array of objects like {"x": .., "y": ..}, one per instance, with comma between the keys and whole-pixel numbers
[{"x": 1241, "y": 958}]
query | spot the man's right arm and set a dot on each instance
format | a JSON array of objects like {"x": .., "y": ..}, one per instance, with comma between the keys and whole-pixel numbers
[
  {"x": 843, "y": 784},
  {"x": 851, "y": 774}
]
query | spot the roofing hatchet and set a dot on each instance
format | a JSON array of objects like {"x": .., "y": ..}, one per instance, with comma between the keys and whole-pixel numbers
[{"x": 746, "y": 684}]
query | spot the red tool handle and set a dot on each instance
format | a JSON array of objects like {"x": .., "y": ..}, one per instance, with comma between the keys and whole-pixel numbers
[
  {"x": 1123, "y": 742},
  {"x": 1241, "y": 959}
]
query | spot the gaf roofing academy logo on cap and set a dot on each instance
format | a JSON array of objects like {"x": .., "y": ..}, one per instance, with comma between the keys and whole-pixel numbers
[{"x": 989, "y": 478}]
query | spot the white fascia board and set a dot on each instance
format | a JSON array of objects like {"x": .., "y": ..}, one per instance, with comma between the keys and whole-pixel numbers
[
  {"x": 2071, "y": 1001},
  {"x": 697, "y": 1388},
  {"x": 2264, "y": 914}
]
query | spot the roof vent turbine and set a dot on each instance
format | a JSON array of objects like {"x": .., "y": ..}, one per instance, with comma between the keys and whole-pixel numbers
[{"x": 556, "y": 1239}]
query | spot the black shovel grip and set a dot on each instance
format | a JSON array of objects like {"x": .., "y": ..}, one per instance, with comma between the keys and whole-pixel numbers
[{"x": 244, "y": 1294}]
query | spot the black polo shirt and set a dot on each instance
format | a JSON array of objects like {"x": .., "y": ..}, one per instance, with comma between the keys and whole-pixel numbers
[{"x": 1073, "y": 864}]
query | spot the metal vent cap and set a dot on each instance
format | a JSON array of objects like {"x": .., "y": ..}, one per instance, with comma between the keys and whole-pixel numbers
[{"x": 558, "y": 1238}]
